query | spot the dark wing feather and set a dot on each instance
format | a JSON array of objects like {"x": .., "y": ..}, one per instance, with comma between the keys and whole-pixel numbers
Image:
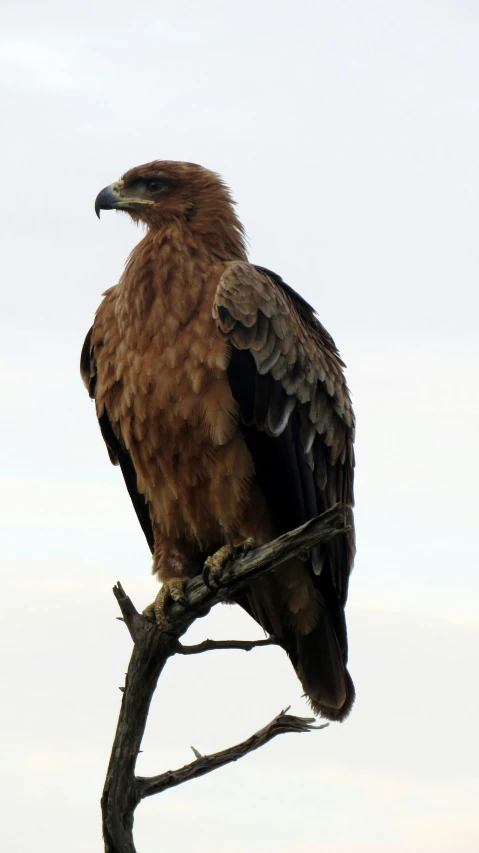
[
  {"x": 116, "y": 451},
  {"x": 296, "y": 412}
]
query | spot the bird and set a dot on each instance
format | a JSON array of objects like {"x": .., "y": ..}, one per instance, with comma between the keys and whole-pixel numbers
[{"x": 223, "y": 400}]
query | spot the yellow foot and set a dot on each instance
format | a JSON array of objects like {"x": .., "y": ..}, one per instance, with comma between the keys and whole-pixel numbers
[
  {"x": 217, "y": 562},
  {"x": 171, "y": 590}
]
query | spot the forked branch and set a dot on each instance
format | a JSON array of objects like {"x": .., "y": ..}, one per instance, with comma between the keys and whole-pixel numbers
[{"x": 123, "y": 789}]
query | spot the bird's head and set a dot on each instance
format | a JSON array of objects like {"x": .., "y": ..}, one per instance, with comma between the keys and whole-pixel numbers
[{"x": 166, "y": 190}]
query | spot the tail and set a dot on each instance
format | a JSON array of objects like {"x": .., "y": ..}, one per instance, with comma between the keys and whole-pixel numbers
[
  {"x": 321, "y": 668},
  {"x": 319, "y": 657}
]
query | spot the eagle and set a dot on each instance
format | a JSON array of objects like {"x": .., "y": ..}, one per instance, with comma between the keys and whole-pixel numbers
[{"x": 223, "y": 400}]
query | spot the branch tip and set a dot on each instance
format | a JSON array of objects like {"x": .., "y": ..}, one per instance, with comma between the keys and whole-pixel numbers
[
  {"x": 196, "y": 753},
  {"x": 281, "y": 724}
]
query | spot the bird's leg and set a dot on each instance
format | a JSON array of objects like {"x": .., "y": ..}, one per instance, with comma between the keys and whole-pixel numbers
[
  {"x": 171, "y": 590},
  {"x": 174, "y": 564},
  {"x": 217, "y": 562}
]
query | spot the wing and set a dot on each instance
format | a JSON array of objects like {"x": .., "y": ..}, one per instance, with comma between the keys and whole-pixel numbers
[
  {"x": 116, "y": 451},
  {"x": 287, "y": 378}
]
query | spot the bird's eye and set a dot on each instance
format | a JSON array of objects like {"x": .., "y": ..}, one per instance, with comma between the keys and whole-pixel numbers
[{"x": 153, "y": 185}]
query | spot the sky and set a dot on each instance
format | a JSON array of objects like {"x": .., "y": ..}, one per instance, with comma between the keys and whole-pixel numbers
[{"x": 348, "y": 133}]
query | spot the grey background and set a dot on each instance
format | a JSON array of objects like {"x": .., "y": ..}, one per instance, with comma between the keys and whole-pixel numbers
[{"x": 348, "y": 133}]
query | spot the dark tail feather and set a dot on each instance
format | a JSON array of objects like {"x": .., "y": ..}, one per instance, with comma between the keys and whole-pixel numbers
[
  {"x": 319, "y": 664},
  {"x": 318, "y": 658}
]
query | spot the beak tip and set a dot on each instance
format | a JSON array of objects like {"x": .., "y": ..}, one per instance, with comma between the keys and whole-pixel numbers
[{"x": 107, "y": 199}]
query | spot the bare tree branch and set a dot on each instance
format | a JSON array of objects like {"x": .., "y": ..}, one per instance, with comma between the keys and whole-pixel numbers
[
  {"x": 212, "y": 645},
  {"x": 133, "y": 620},
  {"x": 152, "y": 648},
  {"x": 281, "y": 724},
  {"x": 244, "y": 569}
]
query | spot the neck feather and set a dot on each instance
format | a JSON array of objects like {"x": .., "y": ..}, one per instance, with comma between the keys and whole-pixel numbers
[{"x": 174, "y": 268}]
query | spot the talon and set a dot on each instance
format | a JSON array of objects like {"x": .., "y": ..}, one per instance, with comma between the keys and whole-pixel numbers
[
  {"x": 214, "y": 566},
  {"x": 206, "y": 576},
  {"x": 171, "y": 591},
  {"x": 216, "y": 563},
  {"x": 246, "y": 546},
  {"x": 211, "y": 577}
]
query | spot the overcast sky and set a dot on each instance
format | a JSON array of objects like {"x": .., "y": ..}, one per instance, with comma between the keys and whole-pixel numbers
[{"x": 349, "y": 134}]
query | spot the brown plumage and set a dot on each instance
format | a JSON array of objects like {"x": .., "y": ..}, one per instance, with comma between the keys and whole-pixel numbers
[{"x": 223, "y": 400}]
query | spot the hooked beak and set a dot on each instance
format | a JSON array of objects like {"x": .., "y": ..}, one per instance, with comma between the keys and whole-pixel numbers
[
  {"x": 108, "y": 199},
  {"x": 112, "y": 198}
]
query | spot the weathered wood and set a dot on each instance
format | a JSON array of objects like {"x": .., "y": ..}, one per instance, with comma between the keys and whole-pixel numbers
[
  {"x": 281, "y": 724},
  {"x": 213, "y": 645},
  {"x": 152, "y": 648},
  {"x": 246, "y": 568}
]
